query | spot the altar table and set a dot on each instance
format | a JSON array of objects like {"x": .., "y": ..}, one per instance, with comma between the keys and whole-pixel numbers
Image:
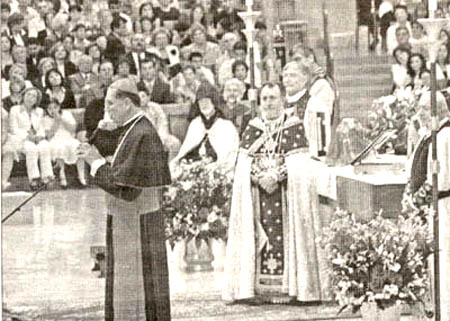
[{"x": 362, "y": 194}]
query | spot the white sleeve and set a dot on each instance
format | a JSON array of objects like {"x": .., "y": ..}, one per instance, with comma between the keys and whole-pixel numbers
[
  {"x": 322, "y": 89},
  {"x": 14, "y": 125},
  {"x": 443, "y": 155},
  {"x": 391, "y": 40},
  {"x": 96, "y": 165}
]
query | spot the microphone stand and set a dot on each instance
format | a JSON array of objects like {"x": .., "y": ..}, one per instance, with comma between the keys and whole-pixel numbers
[{"x": 18, "y": 208}]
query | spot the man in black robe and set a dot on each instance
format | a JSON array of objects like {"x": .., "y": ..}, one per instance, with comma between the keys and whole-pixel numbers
[{"x": 137, "y": 284}]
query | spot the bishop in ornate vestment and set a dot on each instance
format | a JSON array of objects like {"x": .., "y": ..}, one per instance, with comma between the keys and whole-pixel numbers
[{"x": 274, "y": 221}]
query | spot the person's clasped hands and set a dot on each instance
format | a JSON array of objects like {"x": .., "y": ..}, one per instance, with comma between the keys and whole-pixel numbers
[
  {"x": 268, "y": 181},
  {"x": 107, "y": 124},
  {"x": 88, "y": 152}
]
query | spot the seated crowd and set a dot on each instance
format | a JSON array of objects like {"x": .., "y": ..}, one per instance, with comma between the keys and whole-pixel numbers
[
  {"x": 60, "y": 57},
  {"x": 407, "y": 42}
]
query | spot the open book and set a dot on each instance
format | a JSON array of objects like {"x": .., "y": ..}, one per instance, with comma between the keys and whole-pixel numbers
[{"x": 376, "y": 144}]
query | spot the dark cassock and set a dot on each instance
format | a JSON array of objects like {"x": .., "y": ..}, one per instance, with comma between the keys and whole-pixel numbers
[
  {"x": 420, "y": 173},
  {"x": 137, "y": 284},
  {"x": 271, "y": 250}
]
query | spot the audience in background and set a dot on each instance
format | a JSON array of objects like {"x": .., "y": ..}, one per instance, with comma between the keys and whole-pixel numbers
[{"x": 71, "y": 52}]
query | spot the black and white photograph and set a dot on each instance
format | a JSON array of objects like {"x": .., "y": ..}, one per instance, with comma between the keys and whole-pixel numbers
[{"x": 225, "y": 160}]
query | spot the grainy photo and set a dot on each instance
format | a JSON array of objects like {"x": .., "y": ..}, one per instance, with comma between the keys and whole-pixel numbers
[{"x": 225, "y": 160}]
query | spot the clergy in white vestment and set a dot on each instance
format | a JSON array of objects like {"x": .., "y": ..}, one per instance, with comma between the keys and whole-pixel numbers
[
  {"x": 271, "y": 252},
  {"x": 310, "y": 109}
]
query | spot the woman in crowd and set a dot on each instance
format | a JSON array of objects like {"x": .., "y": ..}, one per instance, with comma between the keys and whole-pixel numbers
[
  {"x": 416, "y": 64},
  {"x": 233, "y": 110},
  {"x": 443, "y": 66},
  {"x": 60, "y": 129},
  {"x": 7, "y": 153},
  {"x": 63, "y": 64},
  {"x": 197, "y": 15},
  {"x": 209, "y": 50},
  {"x": 189, "y": 84},
  {"x": 93, "y": 50},
  {"x": 159, "y": 120},
  {"x": 123, "y": 70},
  {"x": 209, "y": 134},
  {"x": 400, "y": 76},
  {"x": 240, "y": 71},
  {"x": 16, "y": 88},
  {"x": 16, "y": 70},
  {"x": 72, "y": 53},
  {"x": 147, "y": 30},
  {"x": 27, "y": 135},
  {"x": 418, "y": 39},
  {"x": 146, "y": 10},
  {"x": 45, "y": 64},
  {"x": 20, "y": 57},
  {"x": 444, "y": 36},
  {"x": 7, "y": 60},
  {"x": 56, "y": 90},
  {"x": 161, "y": 39}
]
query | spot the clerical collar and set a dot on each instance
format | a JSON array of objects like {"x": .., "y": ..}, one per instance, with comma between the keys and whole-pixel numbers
[
  {"x": 296, "y": 97},
  {"x": 132, "y": 118}
]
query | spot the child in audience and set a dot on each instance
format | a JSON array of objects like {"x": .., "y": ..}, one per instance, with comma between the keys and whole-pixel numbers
[{"x": 60, "y": 130}]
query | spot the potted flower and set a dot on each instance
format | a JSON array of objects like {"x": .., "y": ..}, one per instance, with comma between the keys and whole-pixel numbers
[
  {"x": 392, "y": 112},
  {"x": 377, "y": 265},
  {"x": 196, "y": 207}
]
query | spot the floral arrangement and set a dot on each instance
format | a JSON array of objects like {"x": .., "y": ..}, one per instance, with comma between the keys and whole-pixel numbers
[
  {"x": 378, "y": 261},
  {"x": 392, "y": 112},
  {"x": 197, "y": 203},
  {"x": 418, "y": 203}
]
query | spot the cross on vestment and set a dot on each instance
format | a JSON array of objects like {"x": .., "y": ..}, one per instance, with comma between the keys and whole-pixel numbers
[{"x": 272, "y": 264}]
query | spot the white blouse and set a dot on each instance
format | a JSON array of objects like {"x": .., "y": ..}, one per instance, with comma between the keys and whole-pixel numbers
[{"x": 20, "y": 121}]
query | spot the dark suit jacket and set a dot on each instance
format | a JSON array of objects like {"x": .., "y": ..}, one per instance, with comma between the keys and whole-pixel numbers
[
  {"x": 69, "y": 69},
  {"x": 130, "y": 59},
  {"x": 77, "y": 82},
  {"x": 47, "y": 40},
  {"x": 24, "y": 36},
  {"x": 161, "y": 92},
  {"x": 114, "y": 49}
]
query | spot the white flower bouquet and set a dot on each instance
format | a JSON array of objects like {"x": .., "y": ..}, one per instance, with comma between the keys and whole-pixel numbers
[
  {"x": 379, "y": 261},
  {"x": 197, "y": 203},
  {"x": 392, "y": 112}
]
